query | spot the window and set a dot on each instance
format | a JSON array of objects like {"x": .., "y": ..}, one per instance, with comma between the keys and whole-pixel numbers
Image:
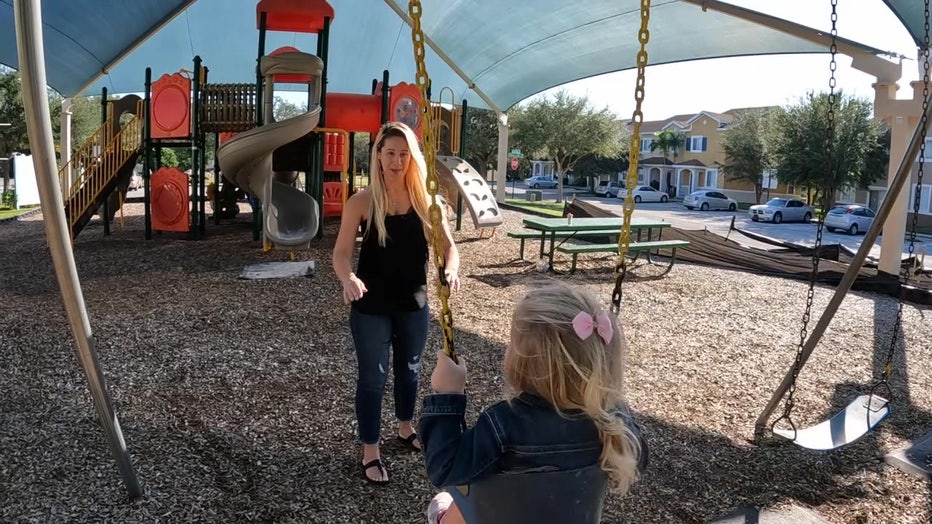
[
  {"x": 769, "y": 179},
  {"x": 711, "y": 178},
  {"x": 795, "y": 203},
  {"x": 925, "y": 199},
  {"x": 645, "y": 144},
  {"x": 697, "y": 143}
]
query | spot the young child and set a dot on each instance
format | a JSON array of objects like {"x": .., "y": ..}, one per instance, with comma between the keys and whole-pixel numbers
[{"x": 565, "y": 408}]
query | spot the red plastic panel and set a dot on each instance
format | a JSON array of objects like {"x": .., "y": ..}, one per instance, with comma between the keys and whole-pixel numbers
[
  {"x": 333, "y": 199},
  {"x": 354, "y": 113},
  {"x": 334, "y": 145},
  {"x": 299, "y": 16},
  {"x": 404, "y": 106},
  {"x": 170, "y": 200},
  {"x": 171, "y": 107}
]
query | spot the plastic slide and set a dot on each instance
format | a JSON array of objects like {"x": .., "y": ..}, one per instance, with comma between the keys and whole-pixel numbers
[
  {"x": 459, "y": 177},
  {"x": 290, "y": 216}
]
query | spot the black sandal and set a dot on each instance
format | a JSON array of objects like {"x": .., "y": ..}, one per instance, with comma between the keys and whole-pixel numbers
[
  {"x": 409, "y": 441},
  {"x": 377, "y": 463}
]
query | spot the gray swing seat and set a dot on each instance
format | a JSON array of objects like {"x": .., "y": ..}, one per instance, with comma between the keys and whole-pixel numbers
[
  {"x": 856, "y": 420},
  {"x": 540, "y": 497}
]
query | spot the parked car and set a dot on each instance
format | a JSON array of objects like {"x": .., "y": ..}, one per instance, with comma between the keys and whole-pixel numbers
[
  {"x": 851, "y": 218},
  {"x": 706, "y": 200},
  {"x": 608, "y": 189},
  {"x": 538, "y": 182},
  {"x": 645, "y": 194},
  {"x": 778, "y": 210}
]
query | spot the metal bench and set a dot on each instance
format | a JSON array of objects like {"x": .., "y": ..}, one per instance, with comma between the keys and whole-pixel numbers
[
  {"x": 535, "y": 234},
  {"x": 634, "y": 247}
]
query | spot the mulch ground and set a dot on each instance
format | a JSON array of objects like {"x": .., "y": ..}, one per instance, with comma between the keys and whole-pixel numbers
[{"x": 236, "y": 397}]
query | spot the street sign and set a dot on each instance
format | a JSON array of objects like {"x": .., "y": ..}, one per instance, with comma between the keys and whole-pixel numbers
[
  {"x": 514, "y": 163},
  {"x": 516, "y": 153}
]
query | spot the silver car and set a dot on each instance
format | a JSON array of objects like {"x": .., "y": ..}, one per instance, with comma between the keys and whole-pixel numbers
[
  {"x": 778, "y": 210},
  {"x": 854, "y": 219},
  {"x": 706, "y": 200},
  {"x": 538, "y": 181}
]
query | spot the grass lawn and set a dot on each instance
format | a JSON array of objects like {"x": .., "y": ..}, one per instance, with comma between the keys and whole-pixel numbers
[
  {"x": 7, "y": 213},
  {"x": 548, "y": 208}
]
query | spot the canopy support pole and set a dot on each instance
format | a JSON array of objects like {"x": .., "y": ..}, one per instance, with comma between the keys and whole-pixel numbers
[{"x": 28, "y": 15}]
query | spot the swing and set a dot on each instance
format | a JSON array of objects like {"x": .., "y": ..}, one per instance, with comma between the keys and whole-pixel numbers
[
  {"x": 539, "y": 497},
  {"x": 634, "y": 148},
  {"x": 865, "y": 412}
]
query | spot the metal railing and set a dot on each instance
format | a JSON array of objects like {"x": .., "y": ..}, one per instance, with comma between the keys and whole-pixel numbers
[{"x": 95, "y": 164}]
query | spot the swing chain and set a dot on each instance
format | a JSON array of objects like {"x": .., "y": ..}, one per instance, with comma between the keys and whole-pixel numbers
[
  {"x": 433, "y": 183},
  {"x": 905, "y": 271},
  {"x": 829, "y": 138},
  {"x": 634, "y": 147}
]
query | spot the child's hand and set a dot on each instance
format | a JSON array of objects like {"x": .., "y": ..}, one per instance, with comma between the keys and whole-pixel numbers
[{"x": 448, "y": 376}]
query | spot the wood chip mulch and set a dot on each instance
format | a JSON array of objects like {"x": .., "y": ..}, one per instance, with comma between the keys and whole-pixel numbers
[{"x": 236, "y": 397}]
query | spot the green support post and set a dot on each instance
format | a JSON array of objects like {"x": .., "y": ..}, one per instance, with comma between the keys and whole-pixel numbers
[
  {"x": 105, "y": 211},
  {"x": 147, "y": 153},
  {"x": 462, "y": 152}
]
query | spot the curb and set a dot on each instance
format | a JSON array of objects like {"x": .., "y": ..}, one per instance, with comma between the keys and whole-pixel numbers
[{"x": 17, "y": 217}]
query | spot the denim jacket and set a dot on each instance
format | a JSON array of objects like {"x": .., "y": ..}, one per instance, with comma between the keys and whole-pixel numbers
[{"x": 523, "y": 435}]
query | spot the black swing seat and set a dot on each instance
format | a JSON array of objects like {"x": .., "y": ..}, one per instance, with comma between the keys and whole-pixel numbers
[
  {"x": 540, "y": 497},
  {"x": 848, "y": 425}
]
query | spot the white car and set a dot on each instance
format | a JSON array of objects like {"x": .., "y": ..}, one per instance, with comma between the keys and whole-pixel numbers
[
  {"x": 537, "y": 182},
  {"x": 608, "y": 189},
  {"x": 778, "y": 210},
  {"x": 854, "y": 219},
  {"x": 708, "y": 199},
  {"x": 645, "y": 194}
]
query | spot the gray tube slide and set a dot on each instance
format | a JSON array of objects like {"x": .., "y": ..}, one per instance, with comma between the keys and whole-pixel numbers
[{"x": 290, "y": 216}]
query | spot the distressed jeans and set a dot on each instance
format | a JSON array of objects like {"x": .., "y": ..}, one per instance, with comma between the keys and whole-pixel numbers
[{"x": 406, "y": 333}]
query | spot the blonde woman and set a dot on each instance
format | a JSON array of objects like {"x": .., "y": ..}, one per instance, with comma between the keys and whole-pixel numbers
[
  {"x": 565, "y": 409},
  {"x": 388, "y": 290}
]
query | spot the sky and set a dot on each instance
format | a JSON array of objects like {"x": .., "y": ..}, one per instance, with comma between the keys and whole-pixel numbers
[{"x": 722, "y": 84}]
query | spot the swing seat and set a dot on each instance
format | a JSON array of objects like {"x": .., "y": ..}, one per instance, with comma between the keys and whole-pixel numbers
[
  {"x": 540, "y": 497},
  {"x": 848, "y": 425}
]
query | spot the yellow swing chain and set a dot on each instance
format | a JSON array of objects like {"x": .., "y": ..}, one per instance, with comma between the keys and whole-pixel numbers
[
  {"x": 433, "y": 183},
  {"x": 634, "y": 147}
]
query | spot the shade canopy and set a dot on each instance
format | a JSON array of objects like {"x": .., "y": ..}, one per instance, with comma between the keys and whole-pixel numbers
[{"x": 504, "y": 51}]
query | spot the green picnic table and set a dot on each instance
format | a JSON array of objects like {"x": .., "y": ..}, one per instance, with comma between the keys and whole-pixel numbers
[{"x": 567, "y": 228}]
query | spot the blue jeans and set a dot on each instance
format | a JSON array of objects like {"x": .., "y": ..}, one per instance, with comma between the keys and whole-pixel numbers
[{"x": 406, "y": 333}]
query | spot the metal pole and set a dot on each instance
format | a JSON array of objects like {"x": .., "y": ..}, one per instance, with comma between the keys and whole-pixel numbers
[
  {"x": 903, "y": 174},
  {"x": 28, "y": 15}
]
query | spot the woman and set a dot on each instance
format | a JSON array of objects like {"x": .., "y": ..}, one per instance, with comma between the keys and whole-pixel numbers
[{"x": 388, "y": 291}]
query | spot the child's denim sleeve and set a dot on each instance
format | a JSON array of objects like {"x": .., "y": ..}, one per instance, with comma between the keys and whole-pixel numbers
[{"x": 455, "y": 456}]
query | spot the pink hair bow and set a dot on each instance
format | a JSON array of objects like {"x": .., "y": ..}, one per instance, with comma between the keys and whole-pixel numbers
[{"x": 584, "y": 324}]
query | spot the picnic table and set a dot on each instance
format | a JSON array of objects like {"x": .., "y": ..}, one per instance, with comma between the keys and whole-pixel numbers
[{"x": 566, "y": 229}]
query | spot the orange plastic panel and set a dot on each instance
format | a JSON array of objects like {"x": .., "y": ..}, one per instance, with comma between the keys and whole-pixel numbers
[
  {"x": 171, "y": 107},
  {"x": 226, "y": 135},
  {"x": 354, "y": 113},
  {"x": 170, "y": 209},
  {"x": 333, "y": 151},
  {"x": 404, "y": 106},
  {"x": 333, "y": 199},
  {"x": 289, "y": 79},
  {"x": 299, "y": 16}
]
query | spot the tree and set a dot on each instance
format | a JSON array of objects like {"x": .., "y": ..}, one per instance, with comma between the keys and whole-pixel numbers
[
  {"x": 283, "y": 109},
  {"x": 13, "y": 138},
  {"x": 799, "y": 145},
  {"x": 744, "y": 145},
  {"x": 564, "y": 130},
  {"x": 481, "y": 139},
  {"x": 669, "y": 142},
  {"x": 361, "y": 151}
]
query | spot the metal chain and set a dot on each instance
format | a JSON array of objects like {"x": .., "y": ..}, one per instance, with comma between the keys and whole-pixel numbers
[
  {"x": 634, "y": 148},
  {"x": 826, "y": 198},
  {"x": 905, "y": 271},
  {"x": 433, "y": 183}
]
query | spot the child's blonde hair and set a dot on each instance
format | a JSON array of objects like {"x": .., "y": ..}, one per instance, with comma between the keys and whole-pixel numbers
[
  {"x": 549, "y": 359},
  {"x": 415, "y": 180}
]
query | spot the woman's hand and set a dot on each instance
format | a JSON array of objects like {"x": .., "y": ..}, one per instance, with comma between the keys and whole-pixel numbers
[
  {"x": 448, "y": 377},
  {"x": 453, "y": 278},
  {"x": 353, "y": 289}
]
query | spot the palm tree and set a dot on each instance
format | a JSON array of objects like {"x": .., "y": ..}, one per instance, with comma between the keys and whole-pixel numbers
[{"x": 669, "y": 141}]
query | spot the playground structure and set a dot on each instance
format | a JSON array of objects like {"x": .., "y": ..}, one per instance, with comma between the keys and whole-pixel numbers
[{"x": 180, "y": 110}]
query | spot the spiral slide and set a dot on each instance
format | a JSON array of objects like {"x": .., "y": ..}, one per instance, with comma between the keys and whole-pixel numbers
[{"x": 290, "y": 216}]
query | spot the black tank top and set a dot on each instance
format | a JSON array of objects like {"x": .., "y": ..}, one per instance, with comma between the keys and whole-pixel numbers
[{"x": 395, "y": 275}]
